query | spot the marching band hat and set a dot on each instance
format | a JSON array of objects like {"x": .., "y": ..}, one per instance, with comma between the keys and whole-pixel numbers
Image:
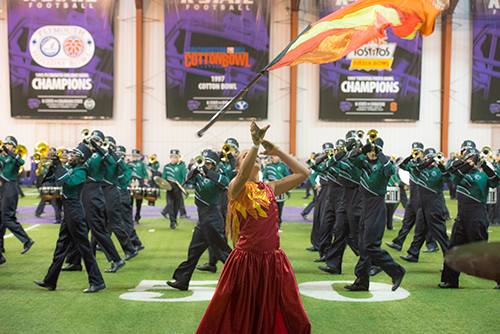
[
  {"x": 175, "y": 153},
  {"x": 339, "y": 143},
  {"x": 350, "y": 135},
  {"x": 97, "y": 135},
  {"x": 82, "y": 150},
  {"x": 470, "y": 152},
  {"x": 110, "y": 140},
  {"x": 121, "y": 149},
  {"x": 327, "y": 147},
  {"x": 136, "y": 152},
  {"x": 379, "y": 143},
  {"x": 210, "y": 156},
  {"x": 52, "y": 150},
  {"x": 64, "y": 152},
  {"x": 467, "y": 144},
  {"x": 232, "y": 142},
  {"x": 10, "y": 140},
  {"x": 417, "y": 146},
  {"x": 429, "y": 153}
]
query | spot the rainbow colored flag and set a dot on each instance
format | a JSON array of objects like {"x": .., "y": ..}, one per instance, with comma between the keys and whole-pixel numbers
[{"x": 336, "y": 35}]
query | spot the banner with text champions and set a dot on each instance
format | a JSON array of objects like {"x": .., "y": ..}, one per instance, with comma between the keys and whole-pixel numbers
[
  {"x": 61, "y": 58},
  {"x": 485, "y": 105},
  {"x": 213, "y": 50},
  {"x": 379, "y": 81}
]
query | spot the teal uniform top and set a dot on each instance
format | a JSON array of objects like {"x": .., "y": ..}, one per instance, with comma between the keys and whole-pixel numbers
[
  {"x": 124, "y": 177},
  {"x": 71, "y": 179},
  {"x": 394, "y": 181},
  {"x": 374, "y": 175},
  {"x": 331, "y": 169},
  {"x": 475, "y": 184},
  {"x": 97, "y": 166},
  {"x": 320, "y": 170},
  {"x": 138, "y": 169},
  {"x": 228, "y": 170},
  {"x": 154, "y": 166},
  {"x": 431, "y": 179},
  {"x": 114, "y": 171},
  {"x": 409, "y": 168},
  {"x": 207, "y": 190},
  {"x": 9, "y": 167},
  {"x": 175, "y": 172},
  {"x": 349, "y": 175},
  {"x": 312, "y": 177},
  {"x": 274, "y": 172}
]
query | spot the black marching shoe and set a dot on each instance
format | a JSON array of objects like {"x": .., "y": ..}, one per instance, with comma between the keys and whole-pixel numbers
[
  {"x": 115, "y": 266},
  {"x": 445, "y": 285},
  {"x": 57, "y": 222},
  {"x": 27, "y": 246},
  {"x": 330, "y": 270},
  {"x": 355, "y": 287},
  {"x": 45, "y": 285},
  {"x": 129, "y": 256},
  {"x": 409, "y": 258},
  {"x": 431, "y": 250},
  {"x": 394, "y": 246},
  {"x": 496, "y": 288},
  {"x": 72, "y": 267},
  {"x": 38, "y": 215},
  {"x": 173, "y": 225},
  {"x": 396, "y": 281},
  {"x": 95, "y": 288},
  {"x": 184, "y": 216},
  {"x": 374, "y": 270},
  {"x": 164, "y": 214},
  {"x": 312, "y": 249},
  {"x": 2, "y": 259},
  {"x": 178, "y": 285},
  {"x": 208, "y": 267},
  {"x": 304, "y": 215},
  {"x": 321, "y": 259},
  {"x": 136, "y": 220},
  {"x": 140, "y": 247}
]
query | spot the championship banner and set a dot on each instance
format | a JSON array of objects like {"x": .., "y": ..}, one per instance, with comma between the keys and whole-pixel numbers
[
  {"x": 379, "y": 81},
  {"x": 485, "y": 105},
  {"x": 213, "y": 50},
  {"x": 61, "y": 58}
]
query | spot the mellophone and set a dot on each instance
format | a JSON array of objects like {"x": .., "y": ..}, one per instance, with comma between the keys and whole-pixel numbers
[
  {"x": 392, "y": 195},
  {"x": 149, "y": 194},
  {"x": 48, "y": 193}
]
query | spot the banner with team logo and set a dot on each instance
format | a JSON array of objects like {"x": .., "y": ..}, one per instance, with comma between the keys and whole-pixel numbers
[
  {"x": 61, "y": 58},
  {"x": 485, "y": 61},
  {"x": 379, "y": 81},
  {"x": 213, "y": 50}
]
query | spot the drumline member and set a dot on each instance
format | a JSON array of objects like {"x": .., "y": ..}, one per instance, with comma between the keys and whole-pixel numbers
[
  {"x": 376, "y": 171},
  {"x": 10, "y": 162},
  {"x": 73, "y": 229},
  {"x": 153, "y": 168},
  {"x": 227, "y": 168},
  {"x": 208, "y": 184},
  {"x": 126, "y": 201},
  {"x": 473, "y": 180},
  {"x": 112, "y": 198},
  {"x": 140, "y": 176},
  {"x": 274, "y": 171},
  {"x": 175, "y": 173},
  {"x": 431, "y": 177}
]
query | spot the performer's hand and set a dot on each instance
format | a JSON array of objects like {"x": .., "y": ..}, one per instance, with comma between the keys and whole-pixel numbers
[
  {"x": 257, "y": 133},
  {"x": 270, "y": 148}
]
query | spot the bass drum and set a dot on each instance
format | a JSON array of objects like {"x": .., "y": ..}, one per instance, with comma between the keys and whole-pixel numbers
[
  {"x": 392, "y": 196},
  {"x": 151, "y": 195}
]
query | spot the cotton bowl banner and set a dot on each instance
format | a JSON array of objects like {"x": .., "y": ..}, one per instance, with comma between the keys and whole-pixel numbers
[
  {"x": 486, "y": 61},
  {"x": 61, "y": 58},
  {"x": 213, "y": 49},
  {"x": 378, "y": 81}
]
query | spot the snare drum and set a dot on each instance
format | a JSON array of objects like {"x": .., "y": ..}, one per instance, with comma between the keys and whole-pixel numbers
[
  {"x": 136, "y": 192},
  {"x": 151, "y": 195},
  {"x": 492, "y": 196},
  {"x": 392, "y": 195},
  {"x": 57, "y": 192},
  {"x": 46, "y": 194},
  {"x": 280, "y": 198}
]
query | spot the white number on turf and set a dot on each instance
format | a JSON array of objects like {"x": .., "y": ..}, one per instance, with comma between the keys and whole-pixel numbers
[
  {"x": 323, "y": 290},
  {"x": 200, "y": 292}
]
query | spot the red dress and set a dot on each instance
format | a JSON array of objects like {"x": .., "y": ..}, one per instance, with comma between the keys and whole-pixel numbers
[{"x": 257, "y": 290}]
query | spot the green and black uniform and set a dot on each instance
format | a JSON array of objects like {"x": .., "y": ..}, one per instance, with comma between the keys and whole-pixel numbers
[
  {"x": 394, "y": 181},
  {"x": 274, "y": 172},
  {"x": 175, "y": 174},
  {"x": 140, "y": 174},
  {"x": 126, "y": 204}
]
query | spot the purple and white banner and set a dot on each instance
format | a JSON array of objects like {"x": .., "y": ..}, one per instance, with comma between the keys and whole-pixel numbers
[
  {"x": 379, "y": 81},
  {"x": 61, "y": 58},
  {"x": 213, "y": 50},
  {"x": 485, "y": 61}
]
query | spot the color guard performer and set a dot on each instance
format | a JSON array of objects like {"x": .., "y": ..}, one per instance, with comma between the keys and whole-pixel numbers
[{"x": 175, "y": 173}]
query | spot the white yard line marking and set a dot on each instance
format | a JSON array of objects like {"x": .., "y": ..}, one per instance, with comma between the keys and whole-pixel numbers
[
  {"x": 26, "y": 229},
  {"x": 398, "y": 217}
]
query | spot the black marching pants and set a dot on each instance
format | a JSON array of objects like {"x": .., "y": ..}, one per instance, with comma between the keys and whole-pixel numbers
[
  {"x": 371, "y": 231},
  {"x": 126, "y": 216},
  {"x": 204, "y": 235},
  {"x": 73, "y": 232},
  {"x": 56, "y": 204},
  {"x": 310, "y": 206},
  {"x": 174, "y": 198},
  {"x": 318, "y": 212},
  {"x": 8, "y": 207},
  {"x": 330, "y": 218},
  {"x": 115, "y": 223},
  {"x": 471, "y": 225},
  {"x": 433, "y": 213}
]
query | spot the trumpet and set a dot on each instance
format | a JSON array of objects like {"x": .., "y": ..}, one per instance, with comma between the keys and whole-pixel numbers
[
  {"x": 486, "y": 151},
  {"x": 372, "y": 136},
  {"x": 199, "y": 162},
  {"x": 22, "y": 151},
  {"x": 1, "y": 145},
  {"x": 331, "y": 153},
  {"x": 226, "y": 149},
  {"x": 360, "y": 134},
  {"x": 440, "y": 157},
  {"x": 312, "y": 157},
  {"x": 415, "y": 154},
  {"x": 152, "y": 159},
  {"x": 85, "y": 134},
  {"x": 105, "y": 145}
]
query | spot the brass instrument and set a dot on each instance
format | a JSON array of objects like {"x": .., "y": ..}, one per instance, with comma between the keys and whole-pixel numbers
[
  {"x": 372, "y": 136},
  {"x": 393, "y": 158},
  {"x": 39, "y": 170},
  {"x": 59, "y": 150},
  {"x": 360, "y": 134},
  {"x": 152, "y": 159},
  {"x": 486, "y": 151},
  {"x": 22, "y": 151},
  {"x": 85, "y": 134},
  {"x": 457, "y": 155},
  {"x": 415, "y": 154},
  {"x": 1, "y": 145},
  {"x": 180, "y": 158},
  {"x": 312, "y": 157},
  {"x": 440, "y": 157},
  {"x": 21, "y": 170},
  {"x": 105, "y": 145},
  {"x": 199, "y": 161},
  {"x": 42, "y": 148},
  {"x": 226, "y": 149},
  {"x": 331, "y": 153}
]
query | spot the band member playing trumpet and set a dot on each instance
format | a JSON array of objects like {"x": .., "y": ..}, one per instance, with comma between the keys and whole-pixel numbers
[
  {"x": 140, "y": 175},
  {"x": 210, "y": 227},
  {"x": 175, "y": 173},
  {"x": 10, "y": 162},
  {"x": 376, "y": 171}
]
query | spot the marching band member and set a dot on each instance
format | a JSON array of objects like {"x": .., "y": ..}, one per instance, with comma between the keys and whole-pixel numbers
[
  {"x": 73, "y": 229},
  {"x": 274, "y": 171},
  {"x": 207, "y": 232},
  {"x": 394, "y": 181},
  {"x": 140, "y": 176},
  {"x": 315, "y": 186},
  {"x": 376, "y": 170},
  {"x": 473, "y": 179},
  {"x": 112, "y": 198},
  {"x": 10, "y": 163},
  {"x": 175, "y": 173}
]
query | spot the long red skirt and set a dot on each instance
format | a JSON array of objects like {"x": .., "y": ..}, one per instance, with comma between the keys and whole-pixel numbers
[{"x": 257, "y": 293}]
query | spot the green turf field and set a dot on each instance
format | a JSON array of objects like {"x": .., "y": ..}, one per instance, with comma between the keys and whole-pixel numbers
[{"x": 27, "y": 308}]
